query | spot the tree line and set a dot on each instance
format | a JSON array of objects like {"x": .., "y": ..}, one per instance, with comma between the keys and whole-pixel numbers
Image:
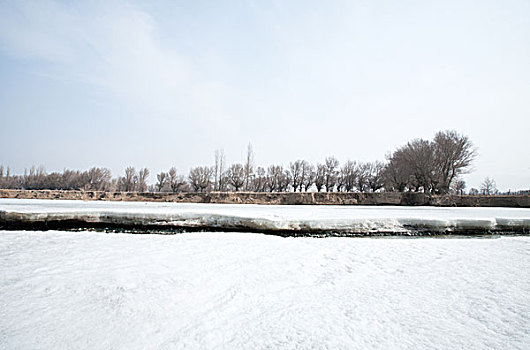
[{"x": 430, "y": 166}]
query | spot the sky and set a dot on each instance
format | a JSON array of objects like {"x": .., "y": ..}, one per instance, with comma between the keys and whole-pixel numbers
[{"x": 166, "y": 83}]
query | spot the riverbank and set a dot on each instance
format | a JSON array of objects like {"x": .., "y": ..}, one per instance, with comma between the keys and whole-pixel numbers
[{"x": 284, "y": 198}]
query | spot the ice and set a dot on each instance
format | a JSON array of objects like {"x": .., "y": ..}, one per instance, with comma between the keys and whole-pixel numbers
[
  {"x": 265, "y": 218},
  {"x": 90, "y": 290}
]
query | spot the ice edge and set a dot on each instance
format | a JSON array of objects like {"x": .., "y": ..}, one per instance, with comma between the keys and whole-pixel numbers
[{"x": 188, "y": 221}]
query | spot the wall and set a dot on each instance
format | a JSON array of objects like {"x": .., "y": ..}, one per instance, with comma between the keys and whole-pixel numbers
[{"x": 389, "y": 198}]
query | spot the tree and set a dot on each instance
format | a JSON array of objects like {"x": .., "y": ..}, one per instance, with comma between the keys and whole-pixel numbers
[
  {"x": 349, "y": 175},
  {"x": 260, "y": 180},
  {"x": 274, "y": 177},
  {"x": 218, "y": 171},
  {"x": 320, "y": 177},
  {"x": 236, "y": 175},
  {"x": 162, "y": 179},
  {"x": 488, "y": 187},
  {"x": 419, "y": 157},
  {"x": 453, "y": 155},
  {"x": 249, "y": 167},
  {"x": 307, "y": 177},
  {"x": 130, "y": 180},
  {"x": 296, "y": 174},
  {"x": 97, "y": 179},
  {"x": 284, "y": 179},
  {"x": 375, "y": 175},
  {"x": 143, "y": 174},
  {"x": 397, "y": 175},
  {"x": 175, "y": 181},
  {"x": 200, "y": 178},
  {"x": 362, "y": 173},
  {"x": 429, "y": 166},
  {"x": 330, "y": 173}
]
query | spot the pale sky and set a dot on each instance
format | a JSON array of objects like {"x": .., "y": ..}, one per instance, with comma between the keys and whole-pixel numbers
[{"x": 165, "y": 83}]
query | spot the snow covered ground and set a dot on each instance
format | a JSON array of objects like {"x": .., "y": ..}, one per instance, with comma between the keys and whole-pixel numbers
[
  {"x": 88, "y": 290},
  {"x": 271, "y": 218}
]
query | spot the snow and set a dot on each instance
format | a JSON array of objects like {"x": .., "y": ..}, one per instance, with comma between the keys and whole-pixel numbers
[
  {"x": 348, "y": 219},
  {"x": 70, "y": 290}
]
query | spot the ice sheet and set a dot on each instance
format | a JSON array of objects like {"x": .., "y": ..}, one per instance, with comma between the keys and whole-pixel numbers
[
  {"x": 70, "y": 290},
  {"x": 337, "y": 219}
]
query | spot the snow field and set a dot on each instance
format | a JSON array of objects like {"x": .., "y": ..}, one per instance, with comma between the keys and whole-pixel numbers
[{"x": 65, "y": 290}]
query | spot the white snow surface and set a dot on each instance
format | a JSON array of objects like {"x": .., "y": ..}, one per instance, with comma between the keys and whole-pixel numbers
[
  {"x": 362, "y": 219},
  {"x": 91, "y": 290}
]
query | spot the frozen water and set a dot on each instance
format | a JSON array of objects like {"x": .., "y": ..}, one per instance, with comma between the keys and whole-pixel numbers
[
  {"x": 350, "y": 219},
  {"x": 71, "y": 290}
]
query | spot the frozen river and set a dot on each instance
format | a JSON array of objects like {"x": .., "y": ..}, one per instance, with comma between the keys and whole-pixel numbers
[
  {"x": 274, "y": 219},
  {"x": 89, "y": 290}
]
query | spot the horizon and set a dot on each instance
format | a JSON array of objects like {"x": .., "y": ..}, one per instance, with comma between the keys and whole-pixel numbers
[{"x": 131, "y": 83}]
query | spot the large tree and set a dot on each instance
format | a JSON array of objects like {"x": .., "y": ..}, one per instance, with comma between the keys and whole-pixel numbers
[
  {"x": 236, "y": 175},
  {"x": 143, "y": 174},
  {"x": 349, "y": 175},
  {"x": 330, "y": 173},
  {"x": 200, "y": 178},
  {"x": 453, "y": 155},
  {"x": 375, "y": 175},
  {"x": 320, "y": 177}
]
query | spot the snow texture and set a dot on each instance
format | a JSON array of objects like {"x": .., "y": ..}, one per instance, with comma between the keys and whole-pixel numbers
[
  {"x": 265, "y": 218},
  {"x": 91, "y": 290}
]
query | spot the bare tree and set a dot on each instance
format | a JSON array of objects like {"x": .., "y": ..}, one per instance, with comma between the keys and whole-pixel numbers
[
  {"x": 308, "y": 176},
  {"x": 284, "y": 180},
  {"x": 162, "y": 180},
  {"x": 236, "y": 175},
  {"x": 260, "y": 180},
  {"x": 453, "y": 155},
  {"x": 277, "y": 178},
  {"x": 130, "y": 180},
  {"x": 98, "y": 179},
  {"x": 348, "y": 175},
  {"x": 143, "y": 174},
  {"x": 331, "y": 166},
  {"x": 296, "y": 174},
  {"x": 397, "y": 175},
  {"x": 272, "y": 177},
  {"x": 200, "y": 178},
  {"x": 71, "y": 180},
  {"x": 488, "y": 187},
  {"x": 249, "y": 167},
  {"x": 176, "y": 182},
  {"x": 375, "y": 175},
  {"x": 320, "y": 177},
  {"x": 218, "y": 171},
  {"x": 419, "y": 157},
  {"x": 429, "y": 166},
  {"x": 362, "y": 175}
]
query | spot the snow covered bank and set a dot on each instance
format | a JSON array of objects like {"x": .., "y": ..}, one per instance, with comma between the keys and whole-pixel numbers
[
  {"x": 281, "y": 220},
  {"x": 64, "y": 290}
]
